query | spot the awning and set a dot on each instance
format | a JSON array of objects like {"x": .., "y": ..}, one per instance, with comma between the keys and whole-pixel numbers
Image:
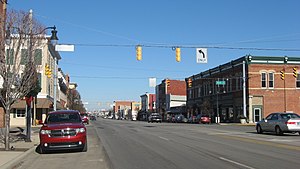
[{"x": 42, "y": 103}]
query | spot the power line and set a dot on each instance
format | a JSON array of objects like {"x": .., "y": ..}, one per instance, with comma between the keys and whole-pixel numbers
[{"x": 189, "y": 46}]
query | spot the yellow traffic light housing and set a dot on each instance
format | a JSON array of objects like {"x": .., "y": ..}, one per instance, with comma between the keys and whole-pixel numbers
[
  {"x": 282, "y": 74},
  {"x": 48, "y": 71},
  {"x": 138, "y": 52},
  {"x": 295, "y": 73},
  {"x": 168, "y": 82},
  {"x": 178, "y": 57},
  {"x": 190, "y": 82}
]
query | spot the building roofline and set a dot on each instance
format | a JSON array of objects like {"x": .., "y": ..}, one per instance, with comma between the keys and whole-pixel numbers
[{"x": 249, "y": 59}]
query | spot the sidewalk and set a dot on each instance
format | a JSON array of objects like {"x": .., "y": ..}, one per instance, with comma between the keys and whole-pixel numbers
[{"x": 19, "y": 147}]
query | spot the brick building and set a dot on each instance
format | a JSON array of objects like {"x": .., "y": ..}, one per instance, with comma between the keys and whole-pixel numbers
[
  {"x": 171, "y": 97},
  {"x": 221, "y": 91},
  {"x": 121, "y": 109}
]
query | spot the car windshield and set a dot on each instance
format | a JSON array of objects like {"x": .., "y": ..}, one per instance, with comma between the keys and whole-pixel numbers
[
  {"x": 290, "y": 116},
  {"x": 63, "y": 118}
]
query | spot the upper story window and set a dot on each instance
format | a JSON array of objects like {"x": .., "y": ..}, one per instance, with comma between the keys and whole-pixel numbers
[
  {"x": 298, "y": 81},
  {"x": 24, "y": 56},
  {"x": 271, "y": 80},
  {"x": 9, "y": 56},
  {"x": 38, "y": 56},
  {"x": 263, "y": 80},
  {"x": 190, "y": 93}
]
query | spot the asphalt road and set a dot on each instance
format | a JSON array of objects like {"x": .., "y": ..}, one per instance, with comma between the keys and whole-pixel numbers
[
  {"x": 94, "y": 158},
  {"x": 142, "y": 145}
]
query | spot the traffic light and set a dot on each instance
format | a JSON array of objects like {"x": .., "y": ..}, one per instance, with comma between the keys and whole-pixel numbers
[
  {"x": 190, "y": 82},
  {"x": 282, "y": 75},
  {"x": 48, "y": 71},
  {"x": 138, "y": 52},
  {"x": 295, "y": 73},
  {"x": 178, "y": 57},
  {"x": 168, "y": 82}
]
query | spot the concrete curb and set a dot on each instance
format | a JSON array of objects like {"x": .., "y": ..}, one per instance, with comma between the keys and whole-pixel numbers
[
  {"x": 15, "y": 162},
  {"x": 108, "y": 163}
]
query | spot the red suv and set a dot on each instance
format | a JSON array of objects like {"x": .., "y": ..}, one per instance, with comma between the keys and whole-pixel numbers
[{"x": 63, "y": 129}]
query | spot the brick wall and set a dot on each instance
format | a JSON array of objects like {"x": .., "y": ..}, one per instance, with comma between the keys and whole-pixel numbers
[
  {"x": 284, "y": 95},
  {"x": 177, "y": 87},
  {"x": 1, "y": 117}
]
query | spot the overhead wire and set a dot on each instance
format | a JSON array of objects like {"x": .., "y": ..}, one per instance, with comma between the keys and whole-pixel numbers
[{"x": 163, "y": 45}]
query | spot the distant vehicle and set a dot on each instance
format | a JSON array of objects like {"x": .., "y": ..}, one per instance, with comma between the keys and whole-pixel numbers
[
  {"x": 179, "y": 118},
  {"x": 134, "y": 115},
  {"x": 63, "y": 130},
  {"x": 205, "y": 119},
  {"x": 93, "y": 117},
  {"x": 84, "y": 117},
  {"x": 155, "y": 117},
  {"x": 279, "y": 123}
]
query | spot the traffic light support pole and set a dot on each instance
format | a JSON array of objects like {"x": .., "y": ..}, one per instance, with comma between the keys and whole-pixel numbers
[{"x": 54, "y": 83}]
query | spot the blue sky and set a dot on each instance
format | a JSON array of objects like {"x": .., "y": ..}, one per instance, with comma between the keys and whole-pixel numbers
[{"x": 105, "y": 70}]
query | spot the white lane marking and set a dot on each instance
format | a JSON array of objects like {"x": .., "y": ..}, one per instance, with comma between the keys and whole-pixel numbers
[
  {"x": 164, "y": 138},
  {"x": 236, "y": 163},
  {"x": 278, "y": 140},
  {"x": 96, "y": 160}
]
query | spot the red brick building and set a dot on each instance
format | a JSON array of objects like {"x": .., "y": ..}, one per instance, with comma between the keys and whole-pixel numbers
[
  {"x": 171, "y": 96},
  {"x": 221, "y": 92},
  {"x": 121, "y": 108}
]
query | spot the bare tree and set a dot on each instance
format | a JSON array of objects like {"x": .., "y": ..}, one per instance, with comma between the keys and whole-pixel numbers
[
  {"x": 18, "y": 68},
  {"x": 207, "y": 108},
  {"x": 74, "y": 100}
]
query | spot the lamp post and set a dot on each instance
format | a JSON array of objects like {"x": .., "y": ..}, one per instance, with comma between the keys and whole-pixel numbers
[{"x": 54, "y": 40}]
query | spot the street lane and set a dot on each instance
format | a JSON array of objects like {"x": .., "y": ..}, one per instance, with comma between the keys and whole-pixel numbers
[{"x": 146, "y": 145}]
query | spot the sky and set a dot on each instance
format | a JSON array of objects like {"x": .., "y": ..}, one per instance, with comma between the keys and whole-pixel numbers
[{"x": 105, "y": 33}]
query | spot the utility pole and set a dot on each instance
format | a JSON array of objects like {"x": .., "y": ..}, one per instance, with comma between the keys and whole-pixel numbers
[{"x": 29, "y": 100}]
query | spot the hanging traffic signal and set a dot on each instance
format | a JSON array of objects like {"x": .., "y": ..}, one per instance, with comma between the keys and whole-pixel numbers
[
  {"x": 282, "y": 75},
  {"x": 295, "y": 73},
  {"x": 168, "y": 82},
  {"x": 48, "y": 71},
  {"x": 190, "y": 82},
  {"x": 178, "y": 57},
  {"x": 138, "y": 52}
]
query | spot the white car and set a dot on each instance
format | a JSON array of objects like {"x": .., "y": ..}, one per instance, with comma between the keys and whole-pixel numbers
[{"x": 279, "y": 123}]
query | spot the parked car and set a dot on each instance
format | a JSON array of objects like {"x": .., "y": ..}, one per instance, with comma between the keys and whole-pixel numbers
[
  {"x": 84, "y": 117},
  {"x": 205, "y": 119},
  {"x": 155, "y": 117},
  {"x": 279, "y": 123},
  {"x": 179, "y": 118},
  {"x": 93, "y": 117},
  {"x": 62, "y": 130}
]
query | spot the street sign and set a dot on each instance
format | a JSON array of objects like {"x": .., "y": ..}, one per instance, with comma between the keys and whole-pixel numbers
[
  {"x": 64, "y": 48},
  {"x": 201, "y": 55},
  {"x": 220, "y": 82}
]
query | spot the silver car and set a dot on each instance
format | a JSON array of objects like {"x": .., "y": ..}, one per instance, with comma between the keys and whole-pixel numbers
[{"x": 279, "y": 123}]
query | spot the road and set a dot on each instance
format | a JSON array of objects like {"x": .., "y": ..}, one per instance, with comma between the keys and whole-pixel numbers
[
  {"x": 137, "y": 145},
  {"x": 142, "y": 145},
  {"x": 94, "y": 158}
]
